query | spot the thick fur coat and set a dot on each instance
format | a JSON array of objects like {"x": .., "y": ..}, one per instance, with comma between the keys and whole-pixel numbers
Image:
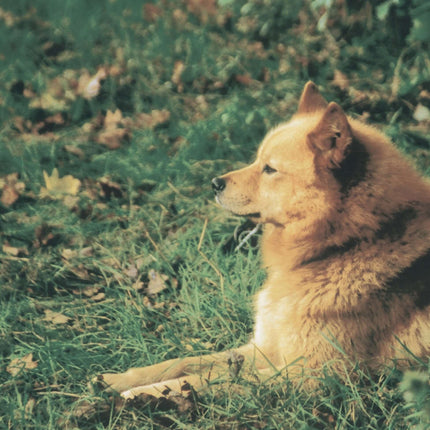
[{"x": 346, "y": 245}]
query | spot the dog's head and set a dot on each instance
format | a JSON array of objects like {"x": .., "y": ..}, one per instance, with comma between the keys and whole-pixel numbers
[{"x": 294, "y": 174}]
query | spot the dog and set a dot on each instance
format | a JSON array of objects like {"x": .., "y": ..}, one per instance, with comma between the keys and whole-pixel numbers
[{"x": 346, "y": 247}]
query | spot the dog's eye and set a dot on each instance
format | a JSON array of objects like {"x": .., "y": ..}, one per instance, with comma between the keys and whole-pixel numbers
[{"x": 268, "y": 169}]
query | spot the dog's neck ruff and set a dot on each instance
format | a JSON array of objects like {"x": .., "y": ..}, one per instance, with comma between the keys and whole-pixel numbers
[{"x": 391, "y": 229}]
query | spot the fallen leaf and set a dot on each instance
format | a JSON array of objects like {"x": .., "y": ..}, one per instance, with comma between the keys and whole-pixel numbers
[
  {"x": 89, "y": 86},
  {"x": 80, "y": 272},
  {"x": 55, "y": 317},
  {"x": 203, "y": 9},
  {"x": 87, "y": 251},
  {"x": 75, "y": 150},
  {"x": 57, "y": 187},
  {"x": 12, "y": 250},
  {"x": 110, "y": 188},
  {"x": 151, "y": 120},
  {"x": 20, "y": 364},
  {"x": 44, "y": 235},
  {"x": 340, "y": 80},
  {"x": 178, "y": 69},
  {"x": 424, "y": 95},
  {"x": 132, "y": 272},
  {"x": 113, "y": 133},
  {"x": 8, "y": 18},
  {"x": 102, "y": 409},
  {"x": 69, "y": 254},
  {"x": 56, "y": 119},
  {"x": 422, "y": 113},
  {"x": 244, "y": 79},
  {"x": 151, "y": 12},
  {"x": 157, "y": 282},
  {"x": 29, "y": 408},
  {"x": 98, "y": 297},
  {"x": 11, "y": 189},
  {"x": 9, "y": 195},
  {"x": 71, "y": 202},
  {"x": 138, "y": 286}
]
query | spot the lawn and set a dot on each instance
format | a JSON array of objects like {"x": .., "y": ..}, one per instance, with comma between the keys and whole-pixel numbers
[{"x": 115, "y": 115}]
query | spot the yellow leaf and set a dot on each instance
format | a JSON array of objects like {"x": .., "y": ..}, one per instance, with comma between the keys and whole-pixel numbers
[
  {"x": 55, "y": 317},
  {"x": 23, "y": 363},
  {"x": 57, "y": 187}
]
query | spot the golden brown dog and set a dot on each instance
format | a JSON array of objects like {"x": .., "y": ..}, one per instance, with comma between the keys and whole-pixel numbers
[{"x": 346, "y": 245}]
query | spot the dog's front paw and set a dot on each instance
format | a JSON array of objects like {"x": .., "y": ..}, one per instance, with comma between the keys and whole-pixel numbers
[{"x": 111, "y": 382}]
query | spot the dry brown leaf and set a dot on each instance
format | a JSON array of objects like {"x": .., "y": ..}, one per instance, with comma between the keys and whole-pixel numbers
[
  {"x": 56, "y": 119},
  {"x": 29, "y": 408},
  {"x": 87, "y": 251},
  {"x": 157, "y": 282},
  {"x": 244, "y": 79},
  {"x": 340, "y": 80},
  {"x": 80, "y": 272},
  {"x": 112, "y": 138},
  {"x": 424, "y": 95},
  {"x": 138, "y": 286},
  {"x": 11, "y": 189},
  {"x": 69, "y": 254},
  {"x": 98, "y": 297},
  {"x": 12, "y": 250},
  {"x": 203, "y": 9},
  {"x": 89, "y": 86},
  {"x": 55, "y": 317},
  {"x": 151, "y": 12},
  {"x": 57, "y": 187},
  {"x": 8, "y": 18},
  {"x": 110, "y": 188},
  {"x": 9, "y": 195},
  {"x": 180, "y": 17},
  {"x": 113, "y": 133},
  {"x": 44, "y": 235},
  {"x": 75, "y": 150},
  {"x": 151, "y": 120},
  {"x": 71, "y": 202},
  {"x": 132, "y": 272},
  {"x": 21, "y": 364},
  {"x": 178, "y": 69}
]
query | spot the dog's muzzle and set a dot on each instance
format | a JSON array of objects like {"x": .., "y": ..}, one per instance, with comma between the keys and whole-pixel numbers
[{"x": 218, "y": 185}]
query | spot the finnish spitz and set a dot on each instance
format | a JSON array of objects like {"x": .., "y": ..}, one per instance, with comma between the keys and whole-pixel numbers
[{"x": 346, "y": 246}]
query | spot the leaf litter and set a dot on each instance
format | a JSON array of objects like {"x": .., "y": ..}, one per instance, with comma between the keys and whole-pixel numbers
[{"x": 109, "y": 126}]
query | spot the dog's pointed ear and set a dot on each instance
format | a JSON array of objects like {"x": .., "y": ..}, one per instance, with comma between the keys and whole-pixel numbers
[
  {"x": 331, "y": 137},
  {"x": 311, "y": 100}
]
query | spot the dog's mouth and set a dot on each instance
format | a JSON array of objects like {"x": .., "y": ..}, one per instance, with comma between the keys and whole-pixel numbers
[
  {"x": 254, "y": 215},
  {"x": 219, "y": 185}
]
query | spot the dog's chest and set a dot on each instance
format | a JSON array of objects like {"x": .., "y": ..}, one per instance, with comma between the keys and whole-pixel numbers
[{"x": 274, "y": 321}]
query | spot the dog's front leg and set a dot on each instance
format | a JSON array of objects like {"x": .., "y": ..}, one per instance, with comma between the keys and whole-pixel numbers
[
  {"x": 176, "y": 385},
  {"x": 205, "y": 367}
]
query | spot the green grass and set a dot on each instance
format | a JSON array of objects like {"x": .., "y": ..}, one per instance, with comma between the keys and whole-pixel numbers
[{"x": 146, "y": 207}]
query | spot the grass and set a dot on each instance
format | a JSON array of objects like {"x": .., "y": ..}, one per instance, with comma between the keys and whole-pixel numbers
[{"x": 76, "y": 270}]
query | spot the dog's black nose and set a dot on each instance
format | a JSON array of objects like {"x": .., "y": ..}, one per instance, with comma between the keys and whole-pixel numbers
[{"x": 218, "y": 184}]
